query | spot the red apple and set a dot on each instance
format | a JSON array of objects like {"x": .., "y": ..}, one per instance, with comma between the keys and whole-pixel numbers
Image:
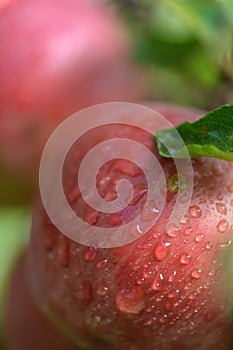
[{"x": 169, "y": 289}]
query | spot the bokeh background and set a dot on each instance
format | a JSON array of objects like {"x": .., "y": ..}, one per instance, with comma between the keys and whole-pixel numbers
[{"x": 61, "y": 56}]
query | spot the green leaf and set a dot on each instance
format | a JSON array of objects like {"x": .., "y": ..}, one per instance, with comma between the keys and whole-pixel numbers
[{"x": 209, "y": 136}]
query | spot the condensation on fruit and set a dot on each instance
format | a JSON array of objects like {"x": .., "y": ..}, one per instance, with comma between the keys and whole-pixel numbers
[
  {"x": 196, "y": 273},
  {"x": 101, "y": 289},
  {"x": 223, "y": 225},
  {"x": 188, "y": 231},
  {"x": 158, "y": 282},
  {"x": 101, "y": 264},
  {"x": 172, "y": 276},
  {"x": 173, "y": 293},
  {"x": 221, "y": 208},
  {"x": 131, "y": 301},
  {"x": 162, "y": 250},
  {"x": 184, "y": 259},
  {"x": 208, "y": 245},
  {"x": 172, "y": 231},
  {"x": 199, "y": 237},
  {"x": 195, "y": 211},
  {"x": 185, "y": 219}
]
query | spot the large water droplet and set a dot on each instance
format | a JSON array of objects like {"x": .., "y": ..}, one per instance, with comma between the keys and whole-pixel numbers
[
  {"x": 199, "y": 237},
  {"x": 188, "y": 231},
  {"x": 162, "y": 250},
  {"x": 158, "y": 282},
  {"x": 185, "y": 219},
  {"x": 222, "y": 226},
  {"x": 130, "y": 301},
  {"x": 221, "y": 208},
  {"x": 196, "y": 273},
  {"x": 172, "y": 231},
  {"x": 195, "y": 211},
  {"x": 184, "y": 259},
  {"x": 172, "y": 277}
]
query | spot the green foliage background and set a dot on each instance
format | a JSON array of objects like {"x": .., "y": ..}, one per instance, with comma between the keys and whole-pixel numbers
[{"x": 185, "y": 48}]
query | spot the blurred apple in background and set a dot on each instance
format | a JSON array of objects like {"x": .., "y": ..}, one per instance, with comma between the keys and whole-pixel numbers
[{"x": 56, "y": 57}]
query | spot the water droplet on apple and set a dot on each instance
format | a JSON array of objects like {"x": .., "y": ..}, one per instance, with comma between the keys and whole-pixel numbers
[
  {"x": 172, "y": 231},
  {"x": 196, "y": 273},
  {"x": 185, "y": 219},
  {"x": 163, "y": 319},
  {"x": 130, "y": 301},
  {"x": 172, "y": 277},
  {"x": 101, "y": 264},
  {"x": 101, "y": 290},
  {"x": 208, "y": 245},
  {"x": 222, "y": 225},
  {"x": 221, "y": 208},
  {"x": 162, "y": 250},
  {"x": 195, "y": 211},
  {"x": 199, "y": 237},
  {"x": 173, "y": 294},
  {"x": 188, "y": 231},
  {"x": 192, "y": 296},
  {"x": 168, "y": 306},
  {"x": 158, "y": 282},
  {"x": 185, "y": 259}
]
